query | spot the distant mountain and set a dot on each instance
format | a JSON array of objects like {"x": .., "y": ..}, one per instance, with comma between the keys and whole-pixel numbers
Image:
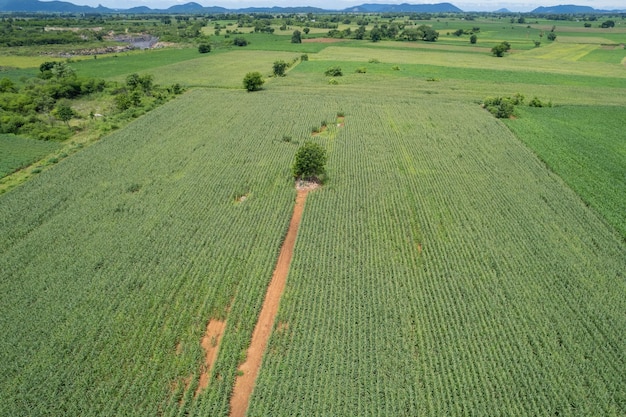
[
  {"x": 503, "y": 10},
  {"x": 192, "y": 7},
  {"x": 49, "y": 7},
  {"x": 404, "y": 7},
  {"x": 571, "y": 9}
]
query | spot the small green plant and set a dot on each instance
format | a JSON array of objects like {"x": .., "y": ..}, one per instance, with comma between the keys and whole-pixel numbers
[
  {"x": 333, "y": 81},
  {"x": 395, "y": 68},
  {"x": 374, "y": 61},
  {"x": 286, "y": 138},
  {"x": 341, "y": 114}
]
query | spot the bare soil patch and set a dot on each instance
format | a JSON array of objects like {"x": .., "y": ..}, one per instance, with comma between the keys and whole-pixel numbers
[
  {"x": 210, "y": 343},
  {"x": 248, "y": 371}
]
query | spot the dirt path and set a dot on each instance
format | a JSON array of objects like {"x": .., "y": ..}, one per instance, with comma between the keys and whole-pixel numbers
[{"x": 250, "y": 368}]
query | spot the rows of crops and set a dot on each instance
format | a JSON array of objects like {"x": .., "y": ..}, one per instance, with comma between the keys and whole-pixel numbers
[
  {"x": 17, "y": 152},
  {"x": 583, "y": 145},
  {"x": 114, "y": 260},
  {"x": 445, "y": 271}
]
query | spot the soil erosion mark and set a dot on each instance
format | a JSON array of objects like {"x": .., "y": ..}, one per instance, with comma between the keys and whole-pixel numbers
[
  {"x": 250, "y": 368},
  {"x": 210, "y": 343}
]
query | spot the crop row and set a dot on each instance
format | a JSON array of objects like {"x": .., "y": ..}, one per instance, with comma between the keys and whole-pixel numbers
[{"x": 446, "y": 271}]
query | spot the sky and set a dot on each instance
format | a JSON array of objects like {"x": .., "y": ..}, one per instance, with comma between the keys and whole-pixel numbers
[{"x": 466, "y": 5}]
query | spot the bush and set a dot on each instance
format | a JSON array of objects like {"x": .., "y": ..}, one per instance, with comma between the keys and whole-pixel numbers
[
  {"x": 304, "y": 57},
  {"x": 240, "y": 41},
  {"x": 535, "y": 102},
  {"x": 501, "y": 107},
  {"x": 279, "y": 68},
  {"x": 333, "y": 72},
  {"x": 473, "y": 39},
  {"x": 361, "y": 70},
  {"x": 551, "y": 36},
  {"x": 204, "y": 48},
  {"x": 310, "y": 161},
  {"x": 253, "y": 81}
]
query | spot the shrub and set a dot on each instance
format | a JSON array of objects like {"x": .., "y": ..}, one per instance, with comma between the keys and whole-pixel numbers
[
  {"x": 333, "y": 72},
  {"x": 240, "y": 41},
  {"x": 279, "y": 68},
  {"x": 304, "y": 57},
  {"x": 501, "y": 107},
  {"x": 361, "y": 70},
  {"x": 204, "y": 48},
  {"x": 253, "y": 81}
]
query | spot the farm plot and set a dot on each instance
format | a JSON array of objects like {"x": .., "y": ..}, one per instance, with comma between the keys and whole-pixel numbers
[
  {"x": 585, "y": 145},
  {"x": 17, "y": 152},
  {"x": 444, "y": 270},
  {"x": 114, "y": 262}
]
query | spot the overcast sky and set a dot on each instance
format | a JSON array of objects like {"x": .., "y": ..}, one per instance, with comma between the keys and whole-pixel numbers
[{"x": 466, "y": 5}]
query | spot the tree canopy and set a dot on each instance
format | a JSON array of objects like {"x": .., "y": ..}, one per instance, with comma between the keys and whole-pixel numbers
[{"x": 310, "y": 161}]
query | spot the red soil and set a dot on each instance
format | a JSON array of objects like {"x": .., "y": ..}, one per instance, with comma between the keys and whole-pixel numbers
[
  {"x": 210, "y": 343},
  {"x": 248, "y": 371}
]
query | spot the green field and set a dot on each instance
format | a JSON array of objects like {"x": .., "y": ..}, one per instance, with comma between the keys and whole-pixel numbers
[
  {"x": 452, "y": 264},
  {"x": 17, "y": 152}
]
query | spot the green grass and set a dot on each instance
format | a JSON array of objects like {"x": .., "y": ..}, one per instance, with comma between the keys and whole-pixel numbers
[
  {"x": 226, "y": 69},
  {"x": 585, "y": 146},
  {"x": 130, "y": 62},
  {"x": 17, "y": 152}
]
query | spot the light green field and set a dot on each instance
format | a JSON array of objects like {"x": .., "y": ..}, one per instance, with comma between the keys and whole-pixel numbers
[
  {"x": 586, "y": 147},
  {"x": 17, "y": 152},
  {"x": 222, "y": 70}
]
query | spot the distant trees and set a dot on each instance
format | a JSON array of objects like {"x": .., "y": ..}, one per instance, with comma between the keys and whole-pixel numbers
[
  {"x": 501, "y": 48},
  {"x": 253, "y": 81},
  {"x": 334, "y": 71},
  {"x": 422, "y": 32},
  {"x": 296, "y": 37},
  {"x": 607, "y": 24},
  {"x": 279, "y": 68}
]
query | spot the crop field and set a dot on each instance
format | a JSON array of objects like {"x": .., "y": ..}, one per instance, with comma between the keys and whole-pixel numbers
[
  {"x": 17, "y": 152},
  {"x": 591, "y": 161},
  {"x": 452, "y": 263}
]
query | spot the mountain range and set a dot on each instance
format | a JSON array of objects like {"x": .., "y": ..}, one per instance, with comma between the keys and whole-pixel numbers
[{"x": 38, "y": 6}]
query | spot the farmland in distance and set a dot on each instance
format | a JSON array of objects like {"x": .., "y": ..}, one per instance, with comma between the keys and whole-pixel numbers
[{"x": 447, "y": 267}]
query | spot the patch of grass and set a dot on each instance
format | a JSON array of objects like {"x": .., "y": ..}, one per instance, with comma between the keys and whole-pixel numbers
[{"x": 17, "y": 152}]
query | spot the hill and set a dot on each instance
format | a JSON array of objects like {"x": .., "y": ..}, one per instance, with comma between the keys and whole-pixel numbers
[
  {"x": 569, "y": 9},
  {"x": 192, "y": 7}
]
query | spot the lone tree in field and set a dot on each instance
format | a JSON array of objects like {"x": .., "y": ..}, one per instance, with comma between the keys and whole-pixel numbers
[
  {"x": 296, "y": 37},
  {"x": 253, "y": 81},
  {"x": 279, "y": 68},
  {"x": 500, "y": 49},
  {"x": 310, "y": 161}
]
